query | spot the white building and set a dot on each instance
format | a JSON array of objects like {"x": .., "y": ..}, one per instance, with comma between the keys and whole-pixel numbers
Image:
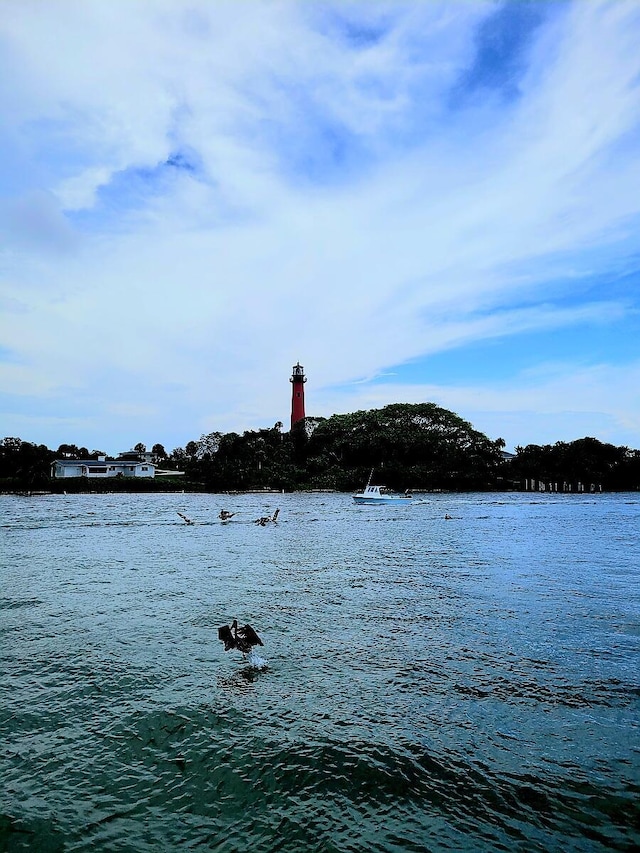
[{"x": 100, "y": 467}]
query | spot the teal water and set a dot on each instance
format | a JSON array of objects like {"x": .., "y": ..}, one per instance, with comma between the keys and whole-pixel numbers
[{"x": 427, "y": 685}]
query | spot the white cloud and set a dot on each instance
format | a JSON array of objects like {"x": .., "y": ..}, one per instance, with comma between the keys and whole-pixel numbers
[
  {"x": 337, "y": 208},
  {"x": 558, "y": 402}
]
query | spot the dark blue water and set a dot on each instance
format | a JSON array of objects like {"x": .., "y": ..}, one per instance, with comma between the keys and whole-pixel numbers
[{"x": 426, "y": 685}]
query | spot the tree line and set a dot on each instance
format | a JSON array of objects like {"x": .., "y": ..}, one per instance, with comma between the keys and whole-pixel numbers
[
  {"x": 586, "y": 461},
  {"x": 411, "y": 446}
]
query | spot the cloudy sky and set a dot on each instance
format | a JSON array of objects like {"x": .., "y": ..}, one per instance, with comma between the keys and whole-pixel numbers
[{"x": 419, "y": 201}]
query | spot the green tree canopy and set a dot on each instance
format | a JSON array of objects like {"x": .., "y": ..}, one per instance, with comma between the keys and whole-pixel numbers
[
  {"x": 419, "y": 445},
  {"x": 586, "y": 460}
]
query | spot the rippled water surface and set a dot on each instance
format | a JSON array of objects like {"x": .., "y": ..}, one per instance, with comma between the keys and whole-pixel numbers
[{"x": 428, "y": 685}]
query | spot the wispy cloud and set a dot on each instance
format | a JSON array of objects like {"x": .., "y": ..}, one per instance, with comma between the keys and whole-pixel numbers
[{"x": 192, "y": 198}]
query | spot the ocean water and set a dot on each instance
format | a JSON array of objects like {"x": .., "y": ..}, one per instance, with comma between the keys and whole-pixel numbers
[{"x": 425, "y": 684}]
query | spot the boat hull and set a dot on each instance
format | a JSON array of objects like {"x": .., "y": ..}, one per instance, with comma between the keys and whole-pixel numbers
[{"x": 399, "y": 499}]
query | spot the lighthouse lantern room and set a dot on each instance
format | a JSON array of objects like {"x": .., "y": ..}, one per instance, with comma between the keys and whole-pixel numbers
[{"x": 297, "y": 393}]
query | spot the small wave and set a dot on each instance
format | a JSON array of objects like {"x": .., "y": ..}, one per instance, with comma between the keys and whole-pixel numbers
[
  {"x": 256, "y": 661},
  {"x": 13, "y": 604}
]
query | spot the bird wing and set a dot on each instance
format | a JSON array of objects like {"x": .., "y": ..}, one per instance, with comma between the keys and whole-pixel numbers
[
  {"x": 247, "y": 633},
  {"x": 224, "y": 634}
]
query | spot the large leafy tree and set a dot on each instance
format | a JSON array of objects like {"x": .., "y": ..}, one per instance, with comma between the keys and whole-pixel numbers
[
  {"x": 26, "y": 462},
  {"x": 255, "y": 459},
  {"x": 419, "y": 445},
  {"x": 586, "y": 460},
  {"x": 68, "y": 451}
]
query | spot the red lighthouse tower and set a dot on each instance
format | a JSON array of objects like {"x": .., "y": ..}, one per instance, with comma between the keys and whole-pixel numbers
[{"x": 297, "y": 393}]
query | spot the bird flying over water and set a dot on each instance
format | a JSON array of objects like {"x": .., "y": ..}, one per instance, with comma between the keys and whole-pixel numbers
[
  {"x": 185, "y": 519},
  {"x": 242, "y": 639},
  {"x": 225, "y": 516}
]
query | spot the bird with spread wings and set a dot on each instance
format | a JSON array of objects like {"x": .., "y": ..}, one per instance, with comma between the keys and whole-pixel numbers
[{"x": 243, "y": 638}]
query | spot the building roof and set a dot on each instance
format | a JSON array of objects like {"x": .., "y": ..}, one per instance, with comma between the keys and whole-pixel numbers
[{"x": 102, "y": 462}]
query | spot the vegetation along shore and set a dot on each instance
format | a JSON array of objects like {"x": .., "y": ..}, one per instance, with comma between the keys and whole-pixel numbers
[{"x": 421, "y": 447}]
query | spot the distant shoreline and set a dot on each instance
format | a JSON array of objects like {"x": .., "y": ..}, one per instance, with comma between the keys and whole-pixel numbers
[{"x": 235, "y": 492}]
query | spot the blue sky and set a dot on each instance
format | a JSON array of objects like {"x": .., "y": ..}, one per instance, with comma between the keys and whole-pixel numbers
[{"x": 419, "y": 201}]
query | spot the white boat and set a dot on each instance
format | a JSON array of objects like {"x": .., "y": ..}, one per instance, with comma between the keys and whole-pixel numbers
[{"x": 380, "y": 495}]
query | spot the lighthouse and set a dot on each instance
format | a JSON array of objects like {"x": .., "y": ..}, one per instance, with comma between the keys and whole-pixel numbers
[{"x": 297, "y": 393}]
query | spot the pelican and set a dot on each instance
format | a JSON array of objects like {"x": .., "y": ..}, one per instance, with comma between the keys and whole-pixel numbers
[
  {"x": 267, "y": 518},
  {"x": 239, "y": 638},
  {"x": 185, "y": 519},
  {"x": 225, "y": 516}
]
